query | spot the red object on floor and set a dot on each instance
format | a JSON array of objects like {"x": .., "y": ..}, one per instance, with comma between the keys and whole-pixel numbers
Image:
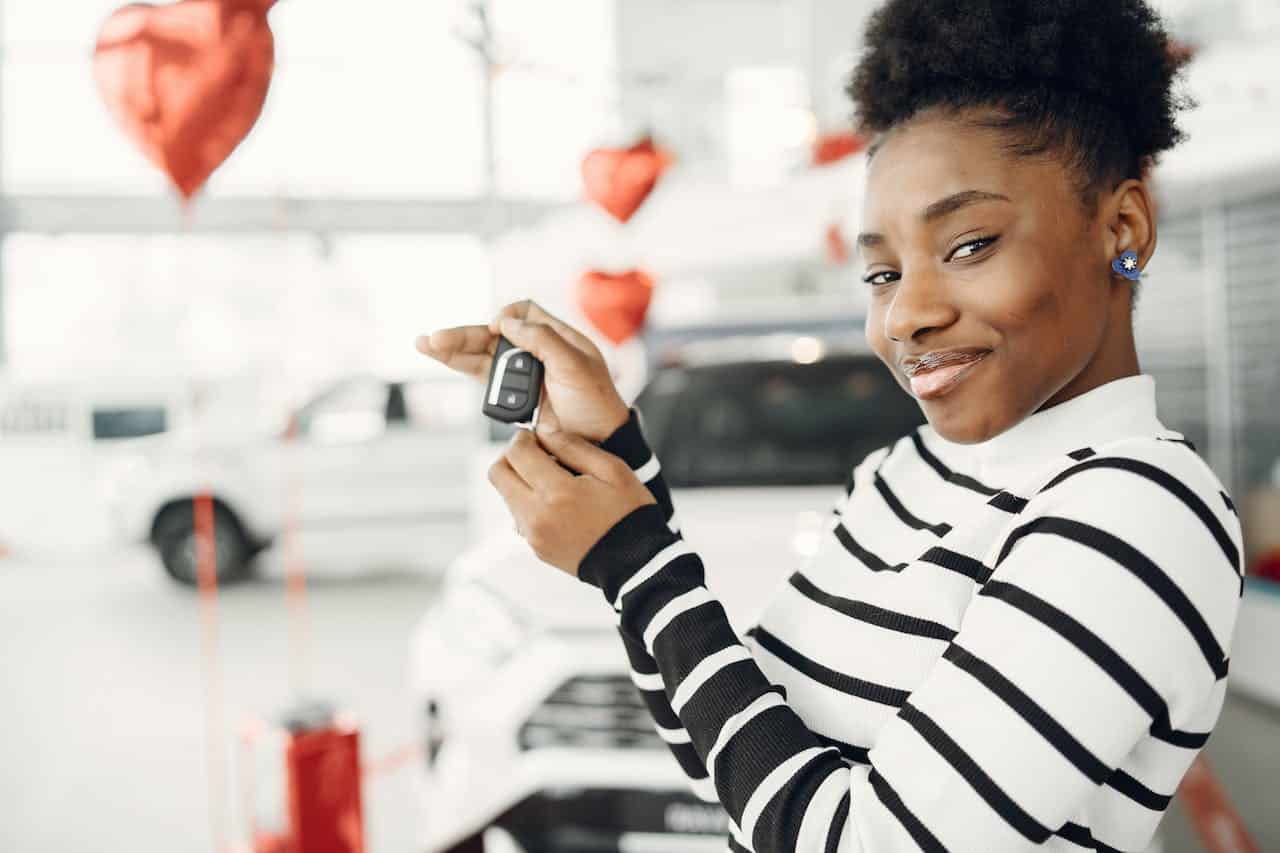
[
  {"x": 620, "y": 179},
  {"x": 1215, "y": 820},
  {"x": 615, "y": 303},
  {"x": 186, "y": 81},
  {"x": 324, "y": 791}
]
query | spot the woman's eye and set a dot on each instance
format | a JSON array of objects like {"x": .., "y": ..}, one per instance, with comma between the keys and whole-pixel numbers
[
  {"x": 879, "y": 277},
  {"x": 969, "y": 249}
]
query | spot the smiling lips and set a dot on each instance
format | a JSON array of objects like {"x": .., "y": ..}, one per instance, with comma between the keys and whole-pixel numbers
[{"x": 936, "y": 374}]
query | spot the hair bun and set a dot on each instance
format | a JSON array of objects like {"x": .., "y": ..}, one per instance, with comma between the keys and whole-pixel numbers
[{"x": 1115, "y": 53}]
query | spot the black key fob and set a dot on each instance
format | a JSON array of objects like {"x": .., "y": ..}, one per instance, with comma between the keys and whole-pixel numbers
[{"x": 515, "y": 384}]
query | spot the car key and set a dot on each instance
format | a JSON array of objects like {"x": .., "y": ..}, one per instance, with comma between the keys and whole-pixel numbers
[{"x": 515, "y": 385}]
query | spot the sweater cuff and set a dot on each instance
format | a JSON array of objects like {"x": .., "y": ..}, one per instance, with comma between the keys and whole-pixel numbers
[
  {"x": 626, "y": 548},
  {"x": 628, "y": 443}
]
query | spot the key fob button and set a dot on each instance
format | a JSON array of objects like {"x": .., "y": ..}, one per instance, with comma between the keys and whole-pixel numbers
[
  {"x": 521, "y": 363},
  {"x": 510, "y": 399},
  {"x": 517, "y": 381}
]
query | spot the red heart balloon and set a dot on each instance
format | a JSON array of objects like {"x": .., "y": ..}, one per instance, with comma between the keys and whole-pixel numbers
[
  {"x": 186, "y": 81},
  {"x": 836, "y": 146},
  {"x": 615, "y": 303},
  {"x": 619, "y": 180}
]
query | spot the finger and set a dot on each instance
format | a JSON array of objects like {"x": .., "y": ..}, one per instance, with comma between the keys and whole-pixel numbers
[
  {"x": 534, "y": 465},
  {"x": 544, "y": 342},
  {"x": 548, "y": 420},
  {"x": 581, "y": 455},
  {"x": 514, "y": 490},
  {"x": 530, "y": 311},
  {"x": 467, "y": 349}
]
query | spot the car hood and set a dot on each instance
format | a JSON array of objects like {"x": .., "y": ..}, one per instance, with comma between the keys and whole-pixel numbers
[
  {"x": 544, "y": 596},
  {"x": 748, "y": 538}
]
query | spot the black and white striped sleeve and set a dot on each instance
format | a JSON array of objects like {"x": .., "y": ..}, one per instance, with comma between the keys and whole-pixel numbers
[
  {"x": 1104, "y": 625},
  {"x": 628, "y": 442}
]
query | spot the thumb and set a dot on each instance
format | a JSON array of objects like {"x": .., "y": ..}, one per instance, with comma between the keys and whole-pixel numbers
[
  {"x": 543, "y": 341},
  {"x": 581, "y": 455}
]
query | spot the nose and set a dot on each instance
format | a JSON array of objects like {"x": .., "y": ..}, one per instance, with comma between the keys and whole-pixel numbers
[{"x": 920, "y": 303}]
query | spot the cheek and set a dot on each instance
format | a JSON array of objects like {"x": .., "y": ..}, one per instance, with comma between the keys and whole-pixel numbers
[
  {"x": 1017, "y": 291},
  {"x": 1023, "y": 306},
  {"x": 1043, "y": 328}
]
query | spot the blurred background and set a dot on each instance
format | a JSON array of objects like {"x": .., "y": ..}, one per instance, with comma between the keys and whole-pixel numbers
[{"x": 674, "y": 177}]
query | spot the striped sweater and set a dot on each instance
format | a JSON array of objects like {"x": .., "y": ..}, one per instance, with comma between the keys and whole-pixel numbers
[{"x": 1012, "y": 645}]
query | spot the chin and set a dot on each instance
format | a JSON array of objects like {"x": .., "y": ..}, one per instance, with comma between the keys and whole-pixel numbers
[{"x": 959, "y": 426}]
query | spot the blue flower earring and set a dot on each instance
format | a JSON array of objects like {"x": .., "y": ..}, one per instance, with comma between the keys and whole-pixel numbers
[{"x": 1127, "y": 265}]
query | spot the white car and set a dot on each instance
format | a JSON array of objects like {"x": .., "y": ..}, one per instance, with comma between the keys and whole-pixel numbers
[
  {"x": 533, "y": 723},
  {"x": 368, "y": 470}
]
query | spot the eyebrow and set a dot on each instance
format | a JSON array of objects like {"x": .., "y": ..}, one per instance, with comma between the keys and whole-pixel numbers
[{"x": 938, "y": 209}]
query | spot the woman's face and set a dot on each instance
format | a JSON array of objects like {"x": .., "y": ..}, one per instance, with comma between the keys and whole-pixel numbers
[{"x": 967, "y": 246}]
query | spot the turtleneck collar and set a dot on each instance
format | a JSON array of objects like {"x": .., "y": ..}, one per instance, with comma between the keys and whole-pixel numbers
[{"x": 1116, "y": 409}]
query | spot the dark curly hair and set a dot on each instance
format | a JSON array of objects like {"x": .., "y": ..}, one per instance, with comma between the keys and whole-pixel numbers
[{"x": 1090, "y": 80}]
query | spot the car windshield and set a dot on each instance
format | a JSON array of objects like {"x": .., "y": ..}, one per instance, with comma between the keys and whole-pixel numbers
[{"x": 773, "y": 423}]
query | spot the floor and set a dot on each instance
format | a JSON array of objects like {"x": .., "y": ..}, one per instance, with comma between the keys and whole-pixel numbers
[
  {"x": 104, "y": 722},
  {"x": 103, "y": 715}
]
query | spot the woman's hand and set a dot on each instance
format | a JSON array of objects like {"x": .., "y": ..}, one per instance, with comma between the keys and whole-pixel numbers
[
  {"x": 577, "y": 379},
  {"x": 559, "y": 514}
]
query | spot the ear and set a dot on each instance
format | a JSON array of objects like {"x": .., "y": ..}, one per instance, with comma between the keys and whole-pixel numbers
[{"x": 1129, "y": 220}]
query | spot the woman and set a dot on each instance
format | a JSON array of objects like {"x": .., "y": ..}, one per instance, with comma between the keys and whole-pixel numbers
[{"x": 1015, "y": 635}]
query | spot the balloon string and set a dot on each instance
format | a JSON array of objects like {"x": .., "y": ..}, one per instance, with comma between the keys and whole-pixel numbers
[
  {"x": 203, "y": 518},
  {"x": 295, "y": 574},
  {"x": 393, "y": 760},
  {"x": 207, "y": 575}
]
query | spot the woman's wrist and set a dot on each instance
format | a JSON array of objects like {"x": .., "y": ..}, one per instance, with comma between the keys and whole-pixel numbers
[
  {"x": 625, "y": 548},
  {"x": 627, "y": 441},
  {"x": 616, "y": 420}
]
